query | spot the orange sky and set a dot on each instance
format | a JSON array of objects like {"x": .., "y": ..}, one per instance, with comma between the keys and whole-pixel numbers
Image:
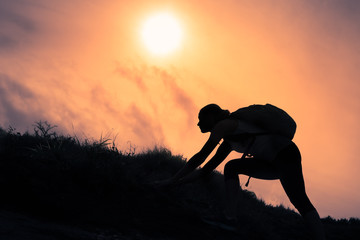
[{"x": 82, "y": 66}]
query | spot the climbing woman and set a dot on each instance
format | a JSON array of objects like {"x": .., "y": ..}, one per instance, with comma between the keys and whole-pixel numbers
[{"x": 268, "y": 153}]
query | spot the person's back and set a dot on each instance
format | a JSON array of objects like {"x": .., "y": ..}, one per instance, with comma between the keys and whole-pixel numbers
[{"x": 265, "y": 146}]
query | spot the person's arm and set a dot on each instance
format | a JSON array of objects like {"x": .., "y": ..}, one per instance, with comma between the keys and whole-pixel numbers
[
  {"x": 220, "y": 155},
  {"x": 196, "y": 160},
  {"x": 221, "y": 129}
]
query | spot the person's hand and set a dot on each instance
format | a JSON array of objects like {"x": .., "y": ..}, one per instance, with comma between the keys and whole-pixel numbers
[
  {"x": 192, "y": 177},
  {"x": 163, "y": 183}
]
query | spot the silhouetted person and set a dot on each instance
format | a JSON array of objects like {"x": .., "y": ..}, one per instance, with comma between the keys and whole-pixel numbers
[{"x": 272, "y": 157}]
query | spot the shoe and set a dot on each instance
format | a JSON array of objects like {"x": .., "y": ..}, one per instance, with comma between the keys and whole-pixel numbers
[{"x": 225, "y": 224}]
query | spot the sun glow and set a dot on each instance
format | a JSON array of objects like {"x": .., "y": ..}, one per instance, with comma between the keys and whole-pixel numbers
[{"x": 162, "y": 33}]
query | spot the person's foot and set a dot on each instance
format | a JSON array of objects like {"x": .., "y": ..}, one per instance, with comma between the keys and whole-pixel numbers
[
  {"x": 230, "y": 221},
  {"x": 228, "y": 224}
]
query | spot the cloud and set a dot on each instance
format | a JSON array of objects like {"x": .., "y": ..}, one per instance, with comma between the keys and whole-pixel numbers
[
  {"x": 8, "y": 16},
  {"x": 134, "y": 75},
  {"x": 16, "y": 102},
  {"x": 348, "y": 8},
  {"x": 161, "y": 84},
  {"x": 181, "y": 98},
  {"x": 9, "y": 87},
  {"x": 144, "y": 126},
  {"x": 135, "y": 122},
  {"x": 16, "y": 25},
  {"x": 7, "y": 42},
  {"x": 100, "y": 98}
]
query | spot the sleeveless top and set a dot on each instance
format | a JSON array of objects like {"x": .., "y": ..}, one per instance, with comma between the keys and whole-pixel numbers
[{"x": 265, "y": 146}]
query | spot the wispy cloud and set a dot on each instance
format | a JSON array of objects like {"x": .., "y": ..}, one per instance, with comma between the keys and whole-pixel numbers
[
  {"x": 7, "y": 42},
  {"x": 134, "y": 75},
  {"x": 13, "y": 19},
  {"x": 144, "y": 126},
  {"x": 181, "y": 98},
  {"x": 162, "y": 83},
  {"x": 16, "y": 102},
  {"x": 16, "y": 25}
]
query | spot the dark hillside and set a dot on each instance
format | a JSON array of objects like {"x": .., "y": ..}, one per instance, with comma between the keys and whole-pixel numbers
[{"x": 56, "y": 187}]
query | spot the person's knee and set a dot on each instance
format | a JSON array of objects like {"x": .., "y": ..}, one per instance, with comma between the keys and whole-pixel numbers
[{"x": 229, "y": 171}]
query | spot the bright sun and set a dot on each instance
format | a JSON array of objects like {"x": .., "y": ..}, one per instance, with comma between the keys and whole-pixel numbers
[{"x": 162, "y": 33}]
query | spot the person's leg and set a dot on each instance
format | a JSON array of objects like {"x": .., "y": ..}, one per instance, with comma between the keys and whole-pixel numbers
[
  {"x": 291, "y": 177},
  {"x": 247, "y": 166},
  {"x": 232, "y": 195},
  {"x": 313, "y": 222}
]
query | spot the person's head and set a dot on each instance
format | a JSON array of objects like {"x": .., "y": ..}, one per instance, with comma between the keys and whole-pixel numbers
[{"x": 209, "y": 116}]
